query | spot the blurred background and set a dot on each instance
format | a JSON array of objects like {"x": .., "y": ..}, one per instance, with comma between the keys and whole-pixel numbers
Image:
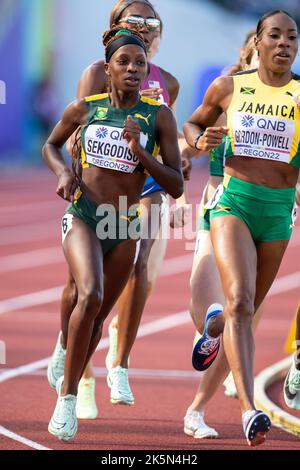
[{"x": 46, "y": 44}]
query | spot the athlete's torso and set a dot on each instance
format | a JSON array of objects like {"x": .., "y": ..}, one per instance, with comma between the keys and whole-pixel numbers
[
  {"x": 264, "y": 124},
  {"x": 117, "y": 168}
]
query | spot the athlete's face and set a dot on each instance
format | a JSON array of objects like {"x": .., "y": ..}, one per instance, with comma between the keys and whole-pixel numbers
[
  {"x": 143, "y": 11},
  {"x": 277, "y": 44},
  {"x": 127, "y": 68}
]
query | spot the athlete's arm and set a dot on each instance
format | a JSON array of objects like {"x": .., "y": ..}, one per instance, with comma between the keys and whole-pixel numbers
[
  {"x": 216, "y": 101},
  {"x": 74, "y": 115},
  {"x": 167, "y": 174}
]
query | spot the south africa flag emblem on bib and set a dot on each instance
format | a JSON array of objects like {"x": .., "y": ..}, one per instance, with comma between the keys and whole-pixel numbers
[
  {"x": 245, "y": 90},
  {"x": 101, "y": 113}
]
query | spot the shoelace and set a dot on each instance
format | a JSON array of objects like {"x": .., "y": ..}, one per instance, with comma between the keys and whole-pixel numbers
[
  {"x": 197, "y": 420},
  {"x": 295, "y": 381},
  {"x": 121, "y": 378},
  {"x": 65, "y": 409}
]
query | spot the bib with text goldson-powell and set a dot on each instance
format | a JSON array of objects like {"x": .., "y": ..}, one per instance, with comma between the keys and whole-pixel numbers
[
  {"x": 102, "y": 139},
  {"x": 264, "y": 121}
]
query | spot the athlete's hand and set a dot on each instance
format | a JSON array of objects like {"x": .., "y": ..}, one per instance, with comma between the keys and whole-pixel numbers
[
  {"x": 67, "y": 185},
  {"x": 153, "y": 93},
  {"x": 180, "y": 216},
  {"x": 212, "y": 138},
  {"x": 131, "y": 133}
]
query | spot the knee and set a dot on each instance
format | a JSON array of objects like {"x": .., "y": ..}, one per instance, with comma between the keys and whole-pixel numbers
[
  {"x": 90, "y": 301},
  {"x": 240, "y": 306},
  {"x": 70, "y": 291}
]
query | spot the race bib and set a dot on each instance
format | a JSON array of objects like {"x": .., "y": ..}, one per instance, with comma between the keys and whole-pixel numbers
[
  {"x": 105, "y": 147},
  {"x": 265, "y": 137},
  {"x": 66, "y": 225}
]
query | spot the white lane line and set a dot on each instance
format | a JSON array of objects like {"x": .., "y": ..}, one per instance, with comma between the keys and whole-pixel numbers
[
  {"x": 53, "y": 255},
  {"x": 149, "y": 328},
  {"x": 282, "y": 284},
  {"x": 262, "y": 382},
  {"x": 170, "y": 321},
  {"x": 31, "y": 300},
  {"x": 138, "y": 373},
  {"x": 16, "y": 437},
  {"x": 30, "y": 232},
  {"x": 31, "y": 259}
]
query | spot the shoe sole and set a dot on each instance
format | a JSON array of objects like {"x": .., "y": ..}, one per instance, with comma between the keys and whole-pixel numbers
[
  {"x": 87, "y": 416},
  {"x": 290, "y": 401},
  {"x": 207, "y": 361},
  {"x": 62, "y": 437},
  {"x": 121, "y": 402},
  {"x": 205, "y": 436},
  {"x": 264, "y": 424}
]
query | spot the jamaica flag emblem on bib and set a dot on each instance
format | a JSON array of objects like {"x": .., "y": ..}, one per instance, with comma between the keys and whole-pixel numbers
[{"x": 245, "y": 90}]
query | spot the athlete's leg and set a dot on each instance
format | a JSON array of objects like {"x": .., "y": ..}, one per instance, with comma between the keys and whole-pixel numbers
[
  {"x": 68, "y": 303},
  {"x": 236, "y": 258},
  {"x": 133, "y": 299},
  {"x": 121, "y": 256},
  {"x": 85, "y": 258}
]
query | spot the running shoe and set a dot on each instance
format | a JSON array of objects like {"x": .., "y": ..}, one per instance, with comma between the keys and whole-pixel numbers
[
  {"x": 63, "y": 423},
  {"x": 291, "y": 389},
  {"x": 230, "y": 388},
  {"x": 206, "y": 349},
  {"x": 256, "y": 424},
  {"x": 86, "y": 407},
  {"x": 120, "y": 393},
  {"x": 56, "y": 365},
  {"x": 195, "y": 426}
]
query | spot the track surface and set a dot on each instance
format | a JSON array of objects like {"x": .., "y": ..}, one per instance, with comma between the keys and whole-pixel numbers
[{"x": 161, "y": 376}]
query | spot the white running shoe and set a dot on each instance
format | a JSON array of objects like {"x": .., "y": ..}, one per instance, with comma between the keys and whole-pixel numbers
[
  {"x": 291, "y": 389},
  {"x": 195, "y": 426},
  {"x": 113, "y": 346},
  {"x": 63, "y": 423},
  {"x": 56, "y": 365},
  {"x": 120, "y": 393},
  {"x": 86, "y": 407},
  {"x": 230, "y": 388}
]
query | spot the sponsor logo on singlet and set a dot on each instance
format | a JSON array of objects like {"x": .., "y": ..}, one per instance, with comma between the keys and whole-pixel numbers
[
  {"x": 106, "y": 148},
  {"x": 265, "y": 137}
]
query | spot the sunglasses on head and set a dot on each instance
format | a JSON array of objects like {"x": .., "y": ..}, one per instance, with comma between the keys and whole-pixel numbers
[{"x": 151, "y": 23}]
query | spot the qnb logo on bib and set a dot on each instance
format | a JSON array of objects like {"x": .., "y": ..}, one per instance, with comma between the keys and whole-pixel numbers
[
  {"x": 265, "y": 137},
  {"x": 105, "y": 147}
]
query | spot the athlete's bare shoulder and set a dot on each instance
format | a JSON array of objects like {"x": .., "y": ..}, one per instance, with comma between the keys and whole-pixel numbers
[
  {"x": 93, "y": 80},
  {"x": 172, "y": 85}
]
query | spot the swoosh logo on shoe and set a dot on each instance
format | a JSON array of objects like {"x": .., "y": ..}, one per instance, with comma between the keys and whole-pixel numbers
[
  {"x": 58, "y": 425},
  {"x": 289, "y": 394}
]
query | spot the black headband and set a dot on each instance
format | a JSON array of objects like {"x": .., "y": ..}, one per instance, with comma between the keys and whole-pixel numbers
[{"x": 123, "y": 40}]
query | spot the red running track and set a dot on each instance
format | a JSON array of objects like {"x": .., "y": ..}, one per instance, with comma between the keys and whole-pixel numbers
[{"x": 162, "y": 379}]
